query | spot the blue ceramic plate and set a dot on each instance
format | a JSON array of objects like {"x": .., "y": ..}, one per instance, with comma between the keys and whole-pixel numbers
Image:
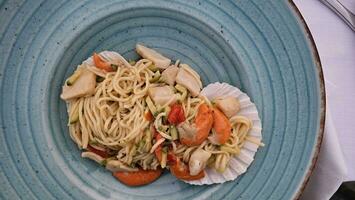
[{"x": 262, "y": 47}]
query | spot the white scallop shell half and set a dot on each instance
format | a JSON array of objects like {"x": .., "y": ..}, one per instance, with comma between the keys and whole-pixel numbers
[{"x": 238, "y": 164}]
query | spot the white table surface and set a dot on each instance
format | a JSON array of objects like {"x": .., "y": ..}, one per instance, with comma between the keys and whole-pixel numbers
[{"x": 336, "y": 46}]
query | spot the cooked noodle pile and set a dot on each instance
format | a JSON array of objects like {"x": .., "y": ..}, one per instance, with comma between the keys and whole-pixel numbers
[{"x": 123, "y": 123}]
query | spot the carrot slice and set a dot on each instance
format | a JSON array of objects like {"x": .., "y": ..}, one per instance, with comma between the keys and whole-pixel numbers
[
  {"x": 148, "y": 116},
  {"x": 99, "y": 63}
]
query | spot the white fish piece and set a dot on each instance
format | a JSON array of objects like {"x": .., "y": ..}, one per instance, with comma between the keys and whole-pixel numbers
[
  {"x": 159, "y": 60},
  {"x": 198, "y": 161},
  {"x": 239, "y": 163},
  {"x": 169, "y": 75},
  {"x": 162, "y": 95},
  {"x": 228, "y": 105},
  {"x": 189, "y": 81},
  {"x": 83, "y": 86}
]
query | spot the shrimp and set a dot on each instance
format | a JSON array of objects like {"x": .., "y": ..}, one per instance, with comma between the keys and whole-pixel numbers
[
  {"x": 195, "y": 134},
  {"x": 222, "y": 128},
  {"x": 137, "y": 178}
]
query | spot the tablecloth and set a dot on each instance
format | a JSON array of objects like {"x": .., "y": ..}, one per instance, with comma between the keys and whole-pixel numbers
[{"x": 336, "y": 46}]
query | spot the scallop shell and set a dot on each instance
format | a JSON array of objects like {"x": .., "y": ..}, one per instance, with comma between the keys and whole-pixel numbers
[{"x": 240, "y": 163}]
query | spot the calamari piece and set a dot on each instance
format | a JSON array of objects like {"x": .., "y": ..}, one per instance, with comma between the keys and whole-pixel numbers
[
  {"x": 159, "y": 60},
  {"x": 228, "y": 105},
  {"x": 84, "y": 85}
]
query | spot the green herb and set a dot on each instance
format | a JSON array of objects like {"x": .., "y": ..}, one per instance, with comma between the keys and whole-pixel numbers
[
  {"x": 164, "y": 156},
  {"x": 182, "y": 90},
  {"x": 74, "y": 117},
  {"x": 99, "y": 79},
  {"x": 156, "y": 77},
  {"x": 153, "y": 68},
  {"x": 114, "y": 67},
  {"x": 150, "y": 105},
  {"x": 174, "y": 133},
  {"x": 132, "y": 62},
  {"x": 70, "y": 81}
]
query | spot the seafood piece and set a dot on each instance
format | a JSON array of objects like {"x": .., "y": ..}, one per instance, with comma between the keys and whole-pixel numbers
[
  {"x": 159, "y": 60},
  {"x": 198, "y": 160},
  {"x": 195, "y": 134},
  {"x": 228, "y": 105},
  {"x": 84, "y": 85},
  {"x": 222, "y": 128}
]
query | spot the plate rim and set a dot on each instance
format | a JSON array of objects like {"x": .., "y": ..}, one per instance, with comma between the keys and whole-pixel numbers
[{"x": 313, "y": 47}]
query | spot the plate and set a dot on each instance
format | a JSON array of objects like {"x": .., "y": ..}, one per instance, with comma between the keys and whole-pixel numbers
[{"x": 262, "y": 47}]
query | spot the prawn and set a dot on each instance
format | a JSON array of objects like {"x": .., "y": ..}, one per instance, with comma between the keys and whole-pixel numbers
[
  {"x": 195, "y": 134},
  {"x": 222, "y": 128}
]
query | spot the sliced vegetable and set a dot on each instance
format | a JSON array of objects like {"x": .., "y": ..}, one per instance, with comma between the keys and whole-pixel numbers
[
  {"x": 176, "y": 115},
  {"x": 132, "y": 62},
  {"x": 114, "y": 67},
  {"x": 182, "y": 90},
  {"x": 140, "y": 146},
  {"x": 158, "y": 150},
  {"x": 148, "y": 140},
  {"x": 99, "y": 79},
  {"x": 150, "y": 105},
  {"x": 70, "y": 81},
  {"x": 156, "y": 77},
  {"x": 148, "y": 116},
  {"x": 153, "y": 68},
  {"x": 174, "y": 133},
  {"x": 74, "y": 116},
  {"x": 164, "y": 155}
]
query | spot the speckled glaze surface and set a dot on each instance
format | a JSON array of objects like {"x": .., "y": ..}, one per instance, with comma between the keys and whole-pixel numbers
[{"x": 259, "y": 46}]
